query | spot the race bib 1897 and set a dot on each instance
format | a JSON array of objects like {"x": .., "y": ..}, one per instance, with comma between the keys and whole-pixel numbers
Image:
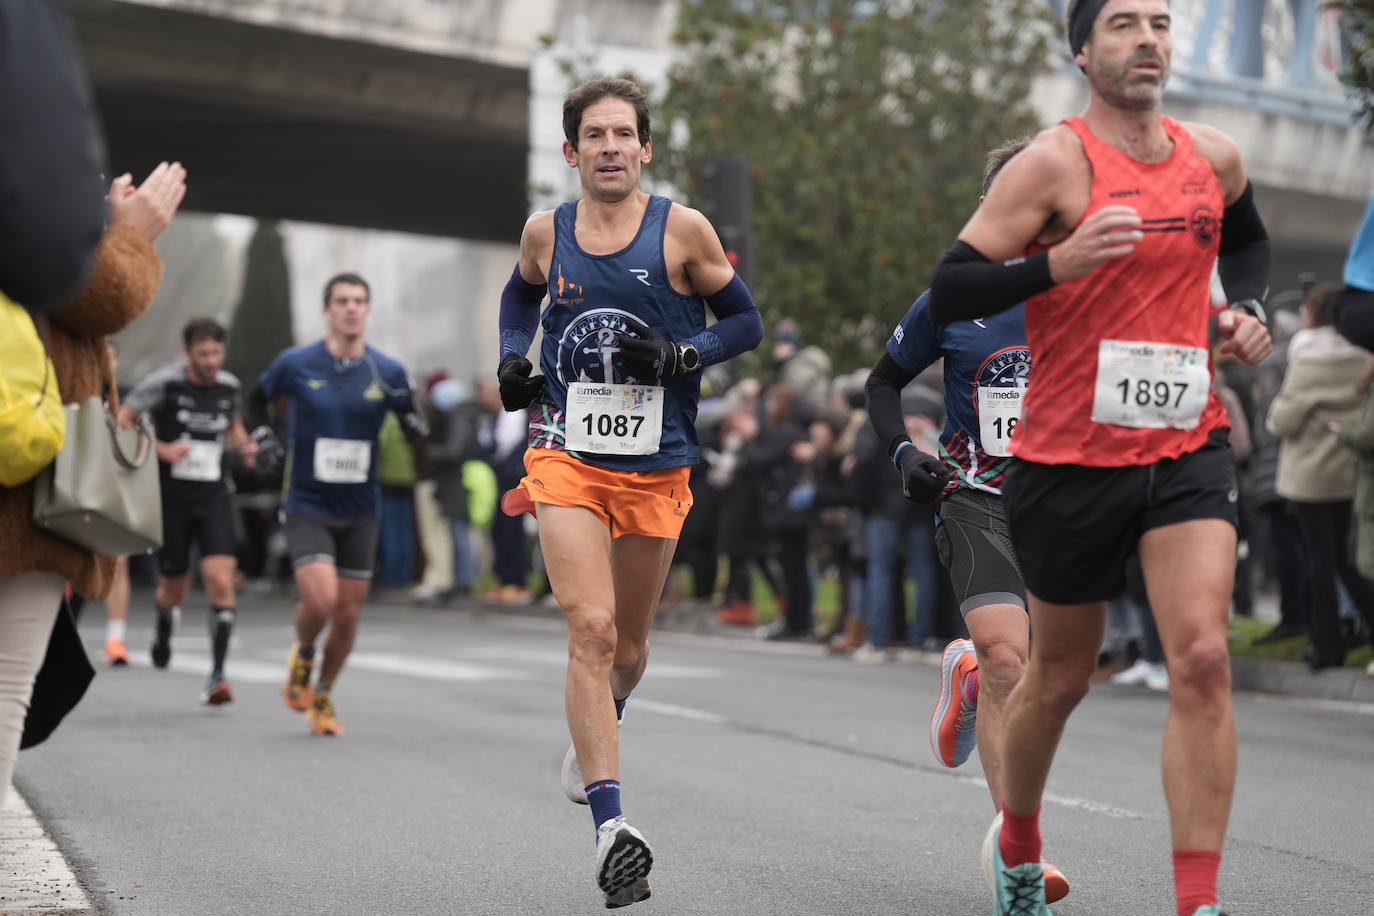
[
  {"x": 342, "y": 460},
  {"x": 613, "y": 419},
  {"x": 1149, "y": 385},
  {"x": 202, "y": 463},
  {"x": 999, "y": 410}
]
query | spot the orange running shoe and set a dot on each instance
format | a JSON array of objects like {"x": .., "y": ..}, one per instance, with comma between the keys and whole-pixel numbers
[
  {"x": 217, "y": 693},
  {"x": 321, "y": 716},
  {"x": 952, "y": 725},
  {"x": 115, "y": 653},
  {"x": 1056, "y": 885},
  {"x": 297, "y": 691}
]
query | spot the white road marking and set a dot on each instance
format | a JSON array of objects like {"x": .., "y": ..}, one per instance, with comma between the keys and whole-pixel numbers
[
  {"x": 680, "y": 712},
  {"x": 433, "y": 669},
  {"x": 34, "y": 875},
  {"x": 236, "y": 669},
  {"x": 1350, "y": 706},
  {"x": 558, "y": 658}
]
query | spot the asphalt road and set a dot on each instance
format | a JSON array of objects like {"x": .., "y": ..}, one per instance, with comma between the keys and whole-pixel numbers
[{"x": 767, "y": 782}]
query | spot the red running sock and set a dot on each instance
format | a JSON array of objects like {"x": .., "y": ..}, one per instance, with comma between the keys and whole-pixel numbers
[
  {"x": 1195, "y": 879},
  {"x": 1020, "y": 838},
  {"x": 971, "y": 686}
]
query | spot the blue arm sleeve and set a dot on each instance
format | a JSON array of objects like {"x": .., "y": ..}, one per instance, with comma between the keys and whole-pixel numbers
[
  {"x": 915, "y": 342},
  {"x": 1359, "y": 265},
  {"x": 519, "y": 313},
  {"x": 738, "y": 327}
]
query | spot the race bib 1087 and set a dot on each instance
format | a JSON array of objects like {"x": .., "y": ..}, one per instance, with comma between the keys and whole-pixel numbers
[
  {"x": 613, "y": 419},
  {"x": 1148, "y": 385}
]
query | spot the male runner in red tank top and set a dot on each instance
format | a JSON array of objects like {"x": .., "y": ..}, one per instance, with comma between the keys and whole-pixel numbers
[{"x": 1121, "y": 445}]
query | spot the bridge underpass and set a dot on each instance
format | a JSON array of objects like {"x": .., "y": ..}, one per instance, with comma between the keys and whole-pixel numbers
[{"x": 281, "y": 123}]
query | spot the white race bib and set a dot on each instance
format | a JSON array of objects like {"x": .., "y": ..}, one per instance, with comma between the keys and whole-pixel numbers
[
  {"x": 1149, "y": 385},
  {"x": 342, "y": 460},
  {"x": 613, "y": 419},
  {"x": 999, "y": 410},
  {"x": 202, "y": 462}
]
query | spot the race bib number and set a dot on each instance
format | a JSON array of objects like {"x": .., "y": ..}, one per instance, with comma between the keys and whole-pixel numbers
[
  {"x": 1150, "y": 385},
  {"x": 202, "y": 463},
  {"x": 342, "y": 460},
  {"x": 999, "y": 410},
  {"x": 613, "y": 419}
]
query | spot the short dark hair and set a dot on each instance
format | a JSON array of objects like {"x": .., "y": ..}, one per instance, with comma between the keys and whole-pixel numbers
[
  {"x": 593, "y": 91},
  {"x": 1321, "y": 303},
  {"x": 198, "y": 329},
  {"x": 1068, "y": 24},
  {"x": 999, "y": 157},
  {"x": 350, "y": 278}
]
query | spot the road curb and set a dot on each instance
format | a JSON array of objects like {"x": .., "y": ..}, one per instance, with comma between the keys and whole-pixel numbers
[{"x": 1294, "y": 679}]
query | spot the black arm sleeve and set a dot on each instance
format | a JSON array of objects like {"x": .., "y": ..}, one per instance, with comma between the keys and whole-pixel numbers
[
  {"x": 255, "y": 409},
  {"x": 967, "y": 285},
  {"x": 51, "y": 172},
  {"x": 1244, "y": 260},
  {"x": 884, "y": 391}
]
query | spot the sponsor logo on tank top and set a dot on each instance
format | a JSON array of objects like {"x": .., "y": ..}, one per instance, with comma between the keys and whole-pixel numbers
[
  {"x": 1125, "y": 192},
  {"x": 589, "y": 347},
  {"x": 1203, "y": 225},
  {"x": 569, "y": 293},
  {"x": 1195, "y": 187}
]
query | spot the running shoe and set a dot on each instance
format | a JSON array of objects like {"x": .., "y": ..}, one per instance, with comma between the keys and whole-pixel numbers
[
  {"x": 623, "y": 858},
  {"x": 1210, "y": 909},
  {"x": 321, "y": 716},
  {"x": 115, "y": 653},
  {"x": 1056, "y": 885},
  {"x": 217, "y": 692},
  {"x": 1136, "y": 675},
  {"x": 161, "y": 651},
  {"x": 635, "y": 893},
  {"x": 953, "y": 734},
  {"x": 1018, "y": 890},
  {"x": 297, "y": 691}
]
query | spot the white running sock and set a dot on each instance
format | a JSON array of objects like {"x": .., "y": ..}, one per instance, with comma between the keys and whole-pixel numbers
[{"x": 116, "y": 629}]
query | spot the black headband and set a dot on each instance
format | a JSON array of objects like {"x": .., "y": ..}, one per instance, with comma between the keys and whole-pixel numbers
[{"x": 1081, "y": 25}]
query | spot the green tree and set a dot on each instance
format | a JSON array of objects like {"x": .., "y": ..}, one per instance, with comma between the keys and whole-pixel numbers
[
  {"x": 262, "y": 325},
  {"x": 1358, "y": 27},
  {"x": 865, "y": 125}
]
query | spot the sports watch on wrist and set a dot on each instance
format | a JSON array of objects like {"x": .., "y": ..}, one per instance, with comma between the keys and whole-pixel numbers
[
  {"x": 688, "y": 359},
  {"x": 1254, "y": 308}
]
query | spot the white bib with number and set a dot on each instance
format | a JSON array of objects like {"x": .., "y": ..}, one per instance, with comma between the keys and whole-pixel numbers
[
  {"x": 202, "y": 463},
  {"x": 342, "y": 460},
  {"x": 999, "y": 410},
  {"x": 613, "y": 419},
  {"x": 1149, "y": 385}
]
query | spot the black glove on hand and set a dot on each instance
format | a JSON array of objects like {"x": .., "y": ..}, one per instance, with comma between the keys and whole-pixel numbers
[
  {"x": 651, "y": 355},
  {"x": 518, "y": 387},
  {"x": 923, "y": 476},
  {"x": 270, "y": 452}
]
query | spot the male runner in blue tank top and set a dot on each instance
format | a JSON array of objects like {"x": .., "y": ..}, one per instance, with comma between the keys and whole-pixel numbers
[
  {"x": 339, "y": 391},
  {"x": 987, "y": 365},
  {"x": 612, "y": 441}
]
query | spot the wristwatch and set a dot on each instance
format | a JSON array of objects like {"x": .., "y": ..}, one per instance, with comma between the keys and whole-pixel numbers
[
  {"x": 1254, "y": 308},
  {"x": 688, "y": 359}
]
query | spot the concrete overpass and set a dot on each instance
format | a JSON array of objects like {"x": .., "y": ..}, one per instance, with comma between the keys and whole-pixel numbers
[{"x": 408, "y": 115}]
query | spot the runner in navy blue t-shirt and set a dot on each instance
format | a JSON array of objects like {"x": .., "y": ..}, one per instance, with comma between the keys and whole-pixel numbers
[{"x": 339, "y": 391}]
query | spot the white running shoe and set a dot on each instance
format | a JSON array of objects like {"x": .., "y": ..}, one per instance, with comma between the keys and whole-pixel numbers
[
  {"x": 1136, "y": 675},
  {"x": 623, "y": 858},
  {"x": 1158, "y": 679},
  {"x": 573, "y": 784},
  {"x": 635, "y": 893}
]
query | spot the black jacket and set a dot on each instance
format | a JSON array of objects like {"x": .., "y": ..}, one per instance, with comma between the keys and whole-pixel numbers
[{"x": 52, "y": 159}]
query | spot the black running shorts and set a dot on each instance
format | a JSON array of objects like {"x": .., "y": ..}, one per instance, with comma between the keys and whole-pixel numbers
[
  {"x": 207, "y": 519},
  {"x": 1076, "y": 527},
  {"x": 349, "y": 543},
  {"x": 975, "y": 546}
]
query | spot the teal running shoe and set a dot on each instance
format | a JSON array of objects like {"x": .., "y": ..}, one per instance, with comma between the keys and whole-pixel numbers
[
  {"x": 1018, "y": 890},
  {"x": 1210, "y": 909}
]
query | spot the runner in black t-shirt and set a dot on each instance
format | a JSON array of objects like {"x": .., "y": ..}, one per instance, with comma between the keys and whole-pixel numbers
[{"x": 194, "y": 406}]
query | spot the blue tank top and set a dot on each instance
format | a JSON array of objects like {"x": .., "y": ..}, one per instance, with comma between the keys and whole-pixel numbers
[{"x": 589, "y": 298}]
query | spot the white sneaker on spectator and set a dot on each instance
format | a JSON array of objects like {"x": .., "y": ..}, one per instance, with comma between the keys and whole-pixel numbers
[
  {"x": 869, "y": 654},
  {"x": 1369, "y": 669},
  {"x": 1138, "y": 674}
]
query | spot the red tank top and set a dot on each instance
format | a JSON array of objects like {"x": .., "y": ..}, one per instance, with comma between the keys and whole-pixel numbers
[{"x": 1159, "y": 294}]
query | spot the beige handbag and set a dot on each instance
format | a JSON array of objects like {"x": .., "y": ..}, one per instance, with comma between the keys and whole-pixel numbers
[{"x": 102, "y": 491}]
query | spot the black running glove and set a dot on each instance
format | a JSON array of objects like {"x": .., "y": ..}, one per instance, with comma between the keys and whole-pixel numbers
[
  {"x": 650, "y": 355},
  {"x": 270, "y": 452},
  {"x": 923, "y": 476},
  {"x": 518, "y": 387}
]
